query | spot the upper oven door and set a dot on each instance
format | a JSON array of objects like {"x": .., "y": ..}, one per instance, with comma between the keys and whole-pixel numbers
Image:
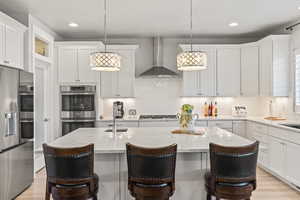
[
  {"x": 26, "y": 102},
  {"x": 78, "y": 102}
]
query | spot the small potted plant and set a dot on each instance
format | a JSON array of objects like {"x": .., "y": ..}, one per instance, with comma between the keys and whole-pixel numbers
[{"x": 186, "y": 117}]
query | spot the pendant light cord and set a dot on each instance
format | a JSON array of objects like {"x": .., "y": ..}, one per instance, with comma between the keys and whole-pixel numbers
[
  {"x": 105, "y": 25},
  {"x": 191, "y": 24}
]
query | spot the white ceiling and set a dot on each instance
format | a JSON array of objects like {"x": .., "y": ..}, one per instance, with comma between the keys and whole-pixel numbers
[{"x": 150, "y": 17}]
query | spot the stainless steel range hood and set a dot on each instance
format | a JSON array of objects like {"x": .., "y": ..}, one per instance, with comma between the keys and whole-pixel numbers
[{"x": 158, "y": 70}]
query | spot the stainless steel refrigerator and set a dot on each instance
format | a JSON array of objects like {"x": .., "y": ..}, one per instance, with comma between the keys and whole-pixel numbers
[{"x": 16, "y": 155}]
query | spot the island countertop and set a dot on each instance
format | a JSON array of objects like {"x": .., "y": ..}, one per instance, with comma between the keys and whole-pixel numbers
[{"x": 105, "y": 142}]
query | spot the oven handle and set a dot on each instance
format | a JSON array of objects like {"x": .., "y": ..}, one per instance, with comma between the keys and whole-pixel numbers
[
  {"x": 26, "y": 120},
  {"x": 78, "y": 120},
  {"x": 79, "y": 93}
]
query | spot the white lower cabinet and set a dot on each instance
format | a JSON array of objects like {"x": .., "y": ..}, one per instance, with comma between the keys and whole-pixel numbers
[
  {"x": 239, "y": 128},
  {"x": 293, "y": 163},
  {"x": 277, "y": 156},
  {"x": 227, "y": 125}
]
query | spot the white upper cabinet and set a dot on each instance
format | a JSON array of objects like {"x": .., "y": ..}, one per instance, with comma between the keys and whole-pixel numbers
[
  {"x": 2, "y": 33},
  {"x": 274, "y": 65},
  {"x": 121, "y": 83},
  {"x": 74, "y": 65},
  {"x": 11, "y": 42},
  {"x": 67, "y": 63},
  {"x": 228, "y": 71},
  {"x": 201, "y": 83},
  {"x": 249, "y": 70},
  {"x": 85, "y": 73}
]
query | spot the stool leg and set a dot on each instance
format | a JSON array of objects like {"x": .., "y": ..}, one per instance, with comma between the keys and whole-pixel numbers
[
  {"x": 47, "y": 195},
  {"x": 208, "y": 196}
]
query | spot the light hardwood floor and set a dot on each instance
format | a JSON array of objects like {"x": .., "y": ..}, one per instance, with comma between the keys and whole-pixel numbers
[{"x": 269, "y": 188}]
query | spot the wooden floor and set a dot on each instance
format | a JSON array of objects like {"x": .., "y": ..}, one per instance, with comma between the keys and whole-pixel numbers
[{"x": 269, "y": 188}]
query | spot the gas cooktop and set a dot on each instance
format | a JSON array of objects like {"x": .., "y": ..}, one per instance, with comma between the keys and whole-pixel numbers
[{"x": 158, "y": 117}]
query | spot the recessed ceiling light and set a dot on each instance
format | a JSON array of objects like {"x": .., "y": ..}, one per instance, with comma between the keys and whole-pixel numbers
[
  {"x": 299, "y": 8},
  {"x": 233, "y": 24},
  {"x": 72, "y": 24}
]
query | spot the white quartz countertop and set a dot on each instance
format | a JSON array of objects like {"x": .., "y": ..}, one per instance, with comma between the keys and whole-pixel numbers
[
  {"x": 201, "y": 118},
  {"x": 148, "y": 137},
  {"x": 259, "y": 119}
]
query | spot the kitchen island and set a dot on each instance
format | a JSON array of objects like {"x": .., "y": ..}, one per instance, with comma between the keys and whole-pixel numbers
[{"x": 111, "y": 164}]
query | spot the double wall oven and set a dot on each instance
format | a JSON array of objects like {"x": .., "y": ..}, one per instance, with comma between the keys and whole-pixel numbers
[
  {"x": 77, "y": 107},
  {"x": 26, "y": 111}
]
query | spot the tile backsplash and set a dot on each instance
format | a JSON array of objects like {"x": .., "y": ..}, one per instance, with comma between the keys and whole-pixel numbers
[{"x": 163, "y": 96}]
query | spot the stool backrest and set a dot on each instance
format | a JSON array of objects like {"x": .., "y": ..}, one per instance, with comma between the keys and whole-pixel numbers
[
  {"x": 151, "y": 165},
  {"x": 233, "y": 164},
  {"x": 69, "y": 163}
]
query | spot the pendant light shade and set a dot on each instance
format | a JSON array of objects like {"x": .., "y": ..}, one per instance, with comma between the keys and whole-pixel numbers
[
  {"x": 191, "y": 60},
  {"x": 103, "y": 60}
]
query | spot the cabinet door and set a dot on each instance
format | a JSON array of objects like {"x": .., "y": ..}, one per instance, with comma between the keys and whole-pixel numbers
[
  {"x": 228, "y": 71},
  {"x": 126, "y": 75},
  {"x": 239, "y": 128},
  {"x": 86, "y": 74},
  {"x": 2, "y": 43},
  {"x": 293, "y": 163},
  {"x": 121, "y": 83},
  {"x": 277, "y": 156},
  {"x": 201, "y": 83},
  {"x": 266, "y": 57},
  {"x": 108, "y": 84},
  {"x": 281, "y": 66},
  {"x": 249, "y": 71},
  {"x": 68, "y": 65},
  {"x": 13, "y": 47}
]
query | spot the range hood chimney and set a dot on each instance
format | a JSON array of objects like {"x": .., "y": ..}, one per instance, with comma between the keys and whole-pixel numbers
[{"x": 158, "y": 70}]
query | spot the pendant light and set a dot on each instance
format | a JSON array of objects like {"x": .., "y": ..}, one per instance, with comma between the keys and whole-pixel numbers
[
  {"x": 103, "y": 60},
  {"x": 191, "y": 60}
]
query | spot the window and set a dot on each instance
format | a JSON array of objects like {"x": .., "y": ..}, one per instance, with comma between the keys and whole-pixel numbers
[{"x": 297, "y": 80}]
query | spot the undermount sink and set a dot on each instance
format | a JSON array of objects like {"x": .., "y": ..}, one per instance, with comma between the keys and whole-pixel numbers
[
  {"x": 297, "y": 126},
  {"x": 118, "y": 130}
]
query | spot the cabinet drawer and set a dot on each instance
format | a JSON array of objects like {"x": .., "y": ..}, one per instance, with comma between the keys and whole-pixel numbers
[
  {"x": 221, "y": 124},
  {"x": 119, "y": 124},
  {"x": 159, "y": 124},
  {"x": 259, "y": 128},
  {"x": 201, "y": 123},
  {"x": 291, "y": 136}
]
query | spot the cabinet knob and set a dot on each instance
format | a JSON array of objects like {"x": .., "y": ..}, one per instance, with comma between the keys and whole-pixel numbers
[
  {"x": 77, "y": 80},
  {"x": 117, "y": 95},
  {"x": 6, "y": 61}
]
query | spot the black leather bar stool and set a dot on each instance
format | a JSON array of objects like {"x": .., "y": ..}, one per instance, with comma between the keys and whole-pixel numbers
[
  {"x": 70, "y": 173},
  {"x": 151, "y": 172},
  {"x": 233, "y": 172}
]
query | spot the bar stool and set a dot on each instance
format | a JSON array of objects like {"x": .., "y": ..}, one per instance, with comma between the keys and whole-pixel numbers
[
  {"x": 151, "y": 172},
  {"x": 233, "y": 172},
  {"x": 70, "y": 173}
]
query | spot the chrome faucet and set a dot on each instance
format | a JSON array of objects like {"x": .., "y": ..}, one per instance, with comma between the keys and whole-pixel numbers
[{"x": 114, "y": 127}]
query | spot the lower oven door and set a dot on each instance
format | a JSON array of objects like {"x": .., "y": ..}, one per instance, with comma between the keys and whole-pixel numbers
[
  {"x": 70, "y": 125},
  {"x": 26, "y": 129}
]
